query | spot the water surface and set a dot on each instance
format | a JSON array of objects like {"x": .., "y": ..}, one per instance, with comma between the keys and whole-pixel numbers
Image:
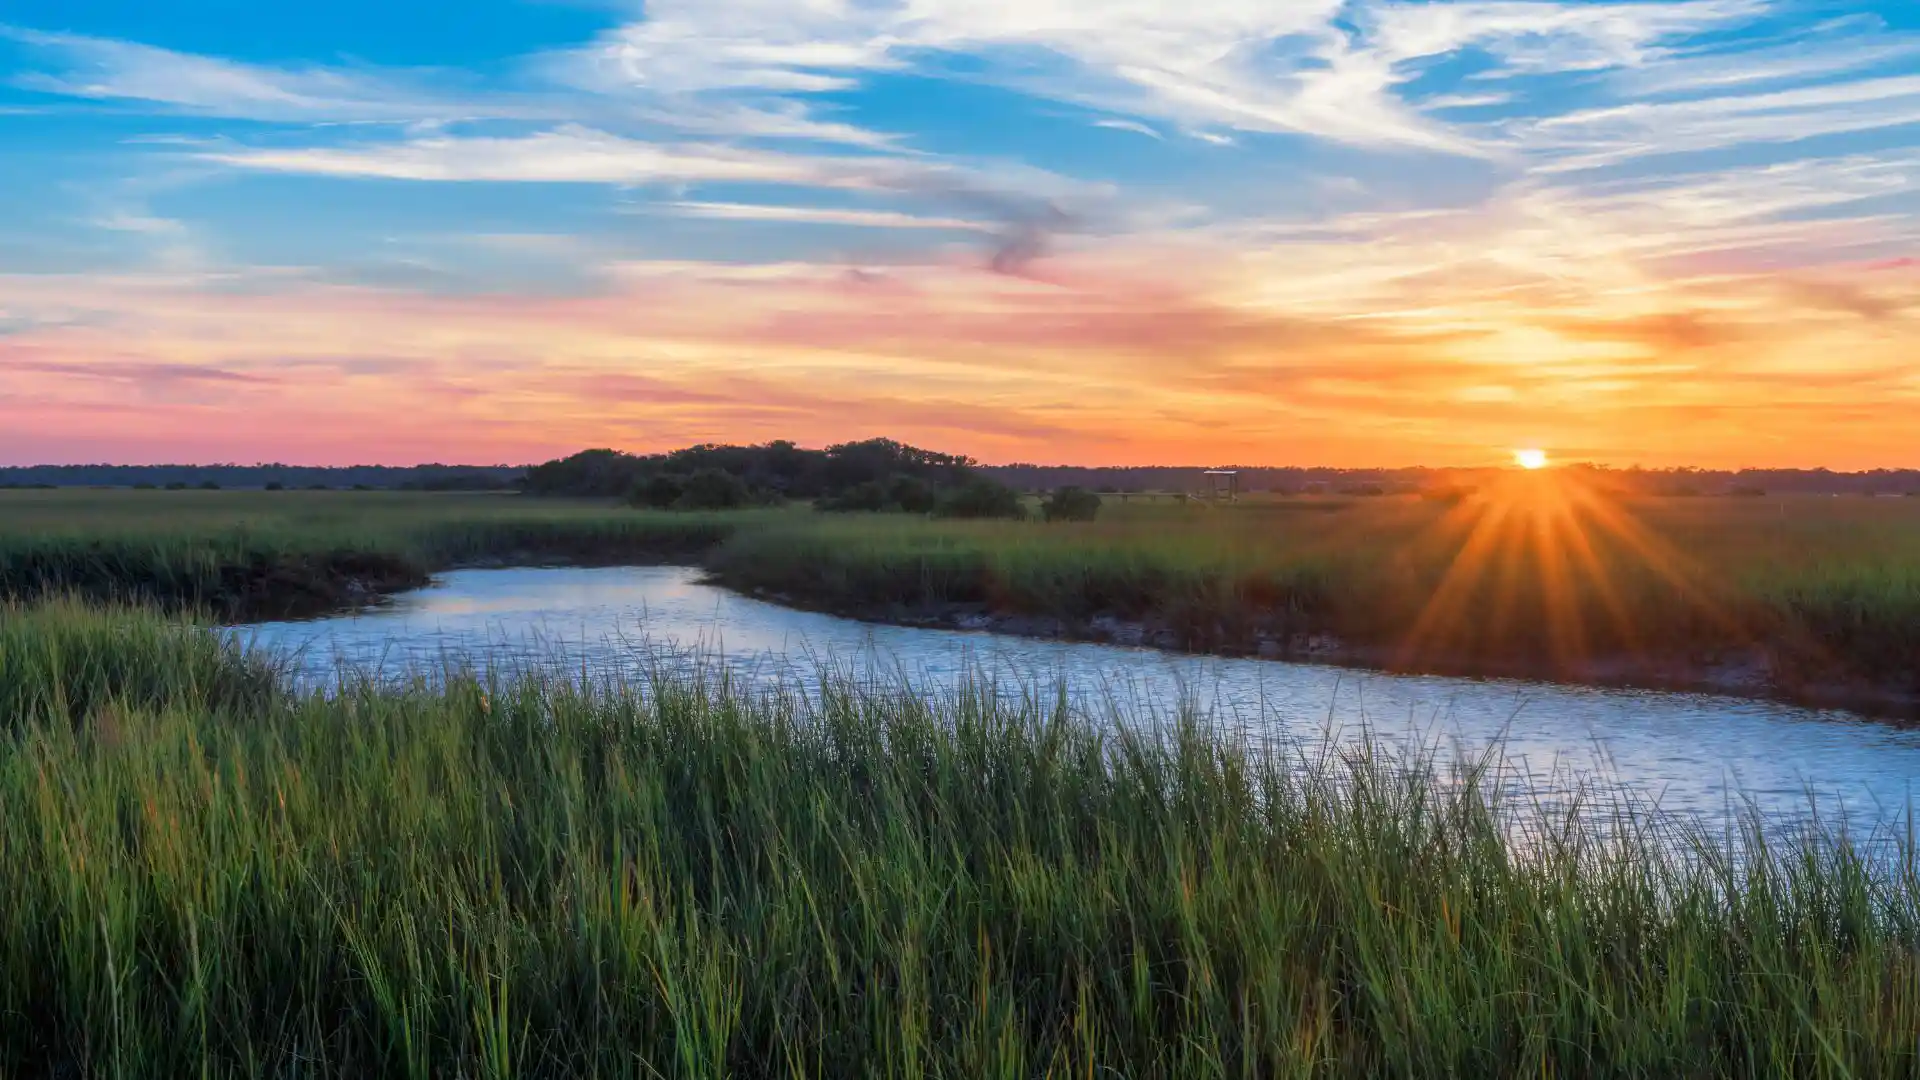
[{"x": 1698, "y": 754}]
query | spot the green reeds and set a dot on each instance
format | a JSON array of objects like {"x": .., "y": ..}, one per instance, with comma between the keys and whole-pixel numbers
[
  {"x": 64, "y": 662},
  {"x": 682, "y": 878},
  {"x": 1819, "y": 589},
  {"x": 1823, "y": 589},
  {"x": 258, "y": 554}
]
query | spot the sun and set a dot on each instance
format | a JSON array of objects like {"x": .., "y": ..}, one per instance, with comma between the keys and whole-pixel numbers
[{"x": 1530, "y": 459}]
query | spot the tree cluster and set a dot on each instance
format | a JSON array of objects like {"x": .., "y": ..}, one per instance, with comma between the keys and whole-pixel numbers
[{"x": 875, "y": 475}]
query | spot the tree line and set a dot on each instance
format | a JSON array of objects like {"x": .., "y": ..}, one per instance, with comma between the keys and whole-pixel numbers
[{"x": 880, "y": 474}]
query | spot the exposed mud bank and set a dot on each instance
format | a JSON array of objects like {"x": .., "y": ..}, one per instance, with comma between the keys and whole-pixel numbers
[
  {"x": 310, "y": 585},
  {"x": 328, "y": 586}
]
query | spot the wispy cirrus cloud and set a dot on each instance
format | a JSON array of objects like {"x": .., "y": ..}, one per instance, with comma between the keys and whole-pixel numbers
[
  {"x": 1595, "y": 137},
  {"x": 1526, "y": 37},
  {"x": 1025, "y": 206},
  {"x": 103, "y": 69},
  {"x": 1805, "y": 57},
  {"x": 1243, "y": 64},
  {"x": 1321, "y": 68},
  {"x": 107, "y": 70},
  {"x": 567, "y": 155},
  {"x": 810, "y": 215}
]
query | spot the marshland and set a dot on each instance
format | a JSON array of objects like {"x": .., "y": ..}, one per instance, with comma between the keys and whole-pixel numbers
[
  {"x": 1800, "y": 596},
  {"x": 214, "y": 866}
]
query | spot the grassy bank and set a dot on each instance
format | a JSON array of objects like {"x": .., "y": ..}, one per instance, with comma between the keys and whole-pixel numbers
[
  {"x": 677, "y": 880},
  {"x": 1811, "y": 588},
  {"x": 1793, "y": 594},
  {"x": 260, "y": 554}
]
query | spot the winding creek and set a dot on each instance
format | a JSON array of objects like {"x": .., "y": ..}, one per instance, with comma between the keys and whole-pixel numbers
[{"x": 1689, "y": 753}]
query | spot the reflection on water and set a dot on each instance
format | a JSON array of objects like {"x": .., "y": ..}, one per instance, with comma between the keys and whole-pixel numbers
[{"x": 1694, "y": 753}]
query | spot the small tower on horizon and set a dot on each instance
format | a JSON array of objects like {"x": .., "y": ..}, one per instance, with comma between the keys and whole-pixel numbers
[{"x": 1223, "y": 484}]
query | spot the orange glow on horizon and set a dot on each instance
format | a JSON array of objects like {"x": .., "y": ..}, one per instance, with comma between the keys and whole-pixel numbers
[
  {"x": 1547, "y": 548},
  {"x": 1106, "y": 362}
]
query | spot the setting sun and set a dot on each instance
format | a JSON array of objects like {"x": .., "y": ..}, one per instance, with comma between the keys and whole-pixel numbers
[{"x": 1530, "y": 459}]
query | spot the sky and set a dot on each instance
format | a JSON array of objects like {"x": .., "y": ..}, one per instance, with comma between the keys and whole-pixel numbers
[{"x": 1314, "y": 232}]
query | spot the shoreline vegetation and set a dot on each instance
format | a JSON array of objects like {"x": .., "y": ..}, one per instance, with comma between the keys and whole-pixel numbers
[
  {"x": 1804, "y": 608},
  {"x": 1804, "y": 598},
  {"x": 208, "y": 872}
]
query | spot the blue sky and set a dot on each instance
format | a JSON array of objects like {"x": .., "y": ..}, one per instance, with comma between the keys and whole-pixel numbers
[{"x": 1350, "y": 231}]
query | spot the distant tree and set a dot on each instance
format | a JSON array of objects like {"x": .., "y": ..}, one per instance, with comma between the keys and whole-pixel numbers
[
  {"x": 866, "y": 497},
  {"x": 981, "y": 498},
  {"x": 880, "y": 460},
  {"x": 177, "y": 485},
  {"x": 209, "y": 485},
  {"x": 143, "y": 486},
  {"x": 898, "y": 495},
  {"x": 589, "y": 473},
  {"x": 913, "y": 495},
  {"x": 657, "y": 492},
  {"x": 463, "y": 480},
  {"x": 1071, "y": 504},
  {"x": 714, "y": 489},
  {"x": 275, "y": 485}
]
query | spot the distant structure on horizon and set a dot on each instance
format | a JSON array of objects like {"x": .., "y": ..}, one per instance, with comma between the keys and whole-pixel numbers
[{"x": 1223, "y": 484}]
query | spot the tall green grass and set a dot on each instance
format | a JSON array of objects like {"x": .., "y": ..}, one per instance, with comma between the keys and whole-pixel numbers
[
  {"x": 66, "y": 662},
  {"x": 1823, "y": 587},
  {"x": 678, "y": 878},
  {"x": 270, "y": 553}
]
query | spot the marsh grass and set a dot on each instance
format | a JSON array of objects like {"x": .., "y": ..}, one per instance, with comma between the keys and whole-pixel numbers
[
  {"x": 256, "y": 554},
  {"x": 1826, "y": 587},
  {"x": 677, "y": 877},
  {"x": 1823, "y": 589},
  {"x": 67, "y": 662}
]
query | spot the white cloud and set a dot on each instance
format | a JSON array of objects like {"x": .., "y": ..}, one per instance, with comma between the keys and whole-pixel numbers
[
  {"x": 107, "y": 70},
  {"x": 1255, "y": 65},
  {"x": 870, "y": 219},
  {"x": 104, "y": 69},
  {"x": 571, "y": 155},
  {"x": 1541, "y": 36},
  {"x": 1331, "y": 69},
  {"x": 1602, "y": 136},
  {"x": 713, "y": 92},
  {"x": 1799, "y": 60},
  {"x": 580, "y": 155},
  {"x": 1134, "y": 126},
  {"x": 1026, "y": 207},
  {"x": 1538, "y": 246}
]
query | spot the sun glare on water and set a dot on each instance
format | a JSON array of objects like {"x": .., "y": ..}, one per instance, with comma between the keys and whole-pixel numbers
[{"x": 1530, "y": 459}]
